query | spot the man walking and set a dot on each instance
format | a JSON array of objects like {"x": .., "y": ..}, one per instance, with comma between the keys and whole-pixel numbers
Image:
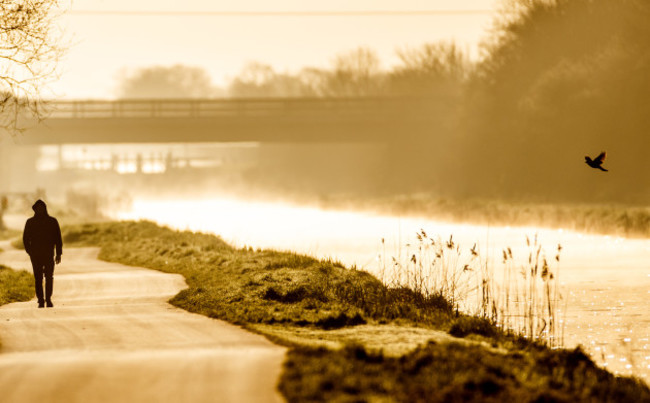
[{"x": 41, "y": 237}]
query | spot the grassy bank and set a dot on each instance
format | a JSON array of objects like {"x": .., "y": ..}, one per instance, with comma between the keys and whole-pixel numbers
[
  {"x": 15, "y": 285},
  {"x": 352, "y": 337},
  {"x": 247, "y": 286}
]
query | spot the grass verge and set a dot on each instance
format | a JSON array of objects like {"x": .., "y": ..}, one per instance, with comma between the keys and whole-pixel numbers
[
  {"x": 342, "y": 322},
  {"x": 15, "y": 285}
]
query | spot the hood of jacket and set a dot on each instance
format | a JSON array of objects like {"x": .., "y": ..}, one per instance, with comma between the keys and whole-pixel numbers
[{"x": 39, "y": 203}]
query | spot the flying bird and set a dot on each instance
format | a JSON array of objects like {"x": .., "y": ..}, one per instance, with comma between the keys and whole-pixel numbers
[{"x": 597, "y": 162}]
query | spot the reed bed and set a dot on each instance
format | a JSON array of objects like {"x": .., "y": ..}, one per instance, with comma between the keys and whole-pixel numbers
[{"x": 520, "y": 296}]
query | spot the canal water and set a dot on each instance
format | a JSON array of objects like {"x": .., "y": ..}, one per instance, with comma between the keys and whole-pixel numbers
[{"x": 605, "y": 280}]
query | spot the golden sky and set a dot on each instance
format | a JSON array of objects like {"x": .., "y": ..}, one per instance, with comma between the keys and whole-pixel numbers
[{"x": 104, "y": 45}]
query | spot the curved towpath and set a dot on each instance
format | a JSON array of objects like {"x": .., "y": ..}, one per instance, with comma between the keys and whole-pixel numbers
[{"x": 112, "y": 336}]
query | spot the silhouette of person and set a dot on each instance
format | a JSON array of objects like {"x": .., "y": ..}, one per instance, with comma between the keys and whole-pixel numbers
[{"x": 41, "y": 237}]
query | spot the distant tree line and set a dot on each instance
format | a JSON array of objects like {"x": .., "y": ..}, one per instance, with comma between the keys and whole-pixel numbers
[
  {"x": 438, "y": 69},
  {"x": 432, "y": 68}
]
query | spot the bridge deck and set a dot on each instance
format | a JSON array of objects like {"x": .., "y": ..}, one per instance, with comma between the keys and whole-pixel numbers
[{"x": 265, "y": 120}]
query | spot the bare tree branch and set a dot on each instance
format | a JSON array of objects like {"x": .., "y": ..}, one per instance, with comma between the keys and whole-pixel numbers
[{"x": 28, "y": 54}]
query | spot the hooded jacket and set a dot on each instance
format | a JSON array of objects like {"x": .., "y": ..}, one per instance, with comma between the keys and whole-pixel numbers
[{"x": 42, "y": 234}]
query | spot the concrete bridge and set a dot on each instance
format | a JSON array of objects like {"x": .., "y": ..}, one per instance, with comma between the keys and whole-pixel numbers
[{"x": 235, "y": 120}]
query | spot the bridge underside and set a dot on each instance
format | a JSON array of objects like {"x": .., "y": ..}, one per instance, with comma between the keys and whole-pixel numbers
[{"x": 236, "y": 129}]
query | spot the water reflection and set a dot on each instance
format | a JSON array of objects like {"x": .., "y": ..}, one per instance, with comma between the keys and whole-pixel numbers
[{"x": 608, "y": 278}]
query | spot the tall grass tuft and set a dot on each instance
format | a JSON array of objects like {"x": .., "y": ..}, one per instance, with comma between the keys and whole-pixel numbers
[{"x": 522, "y": 298}]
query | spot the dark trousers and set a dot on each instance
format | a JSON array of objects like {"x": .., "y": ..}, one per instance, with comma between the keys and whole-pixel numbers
[{"x": 43, "y": 266}]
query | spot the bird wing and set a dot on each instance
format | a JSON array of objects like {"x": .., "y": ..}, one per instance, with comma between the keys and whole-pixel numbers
[{"x": 601, "y": 158}]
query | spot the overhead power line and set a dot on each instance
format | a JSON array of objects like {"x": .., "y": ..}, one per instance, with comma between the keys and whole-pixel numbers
[{"x": 353, "y": 13}]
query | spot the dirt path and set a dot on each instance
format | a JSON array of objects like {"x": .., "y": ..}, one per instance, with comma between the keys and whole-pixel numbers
[{"x": 113, "y": 337}]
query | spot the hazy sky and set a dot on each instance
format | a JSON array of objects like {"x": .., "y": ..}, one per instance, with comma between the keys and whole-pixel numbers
[{"x": 103, "y": 46}]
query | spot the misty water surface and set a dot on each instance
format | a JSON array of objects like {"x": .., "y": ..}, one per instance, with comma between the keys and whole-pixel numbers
[{"x": 607, "y": 279}]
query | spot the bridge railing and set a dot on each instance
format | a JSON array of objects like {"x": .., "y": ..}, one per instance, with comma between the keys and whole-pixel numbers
[{"x": 210, "y": 108}]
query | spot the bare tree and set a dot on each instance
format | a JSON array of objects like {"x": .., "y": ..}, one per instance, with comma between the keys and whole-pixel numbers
[
  {"x": 259, "y": 80},
  {"x": 168, "y": 82},
  {"x": 356, "y": 73},
  {"x": 432, "y": 69},
  {"x": 254, "y": 81},
  {"x": 315, "y": 80},
  {"x": 29, "y": 49}
]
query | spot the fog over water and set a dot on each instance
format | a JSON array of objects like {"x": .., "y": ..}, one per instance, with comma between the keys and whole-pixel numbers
[{"x": 607, "y": 279}]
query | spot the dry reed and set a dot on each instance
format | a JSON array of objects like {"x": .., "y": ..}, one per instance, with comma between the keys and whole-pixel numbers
[{"x": 520, "y": 297}]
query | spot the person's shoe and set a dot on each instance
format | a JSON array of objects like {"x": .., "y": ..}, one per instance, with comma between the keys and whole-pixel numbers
[
  {"x": 50, "y": 304},
  {"x": 41, "y": 304}
]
